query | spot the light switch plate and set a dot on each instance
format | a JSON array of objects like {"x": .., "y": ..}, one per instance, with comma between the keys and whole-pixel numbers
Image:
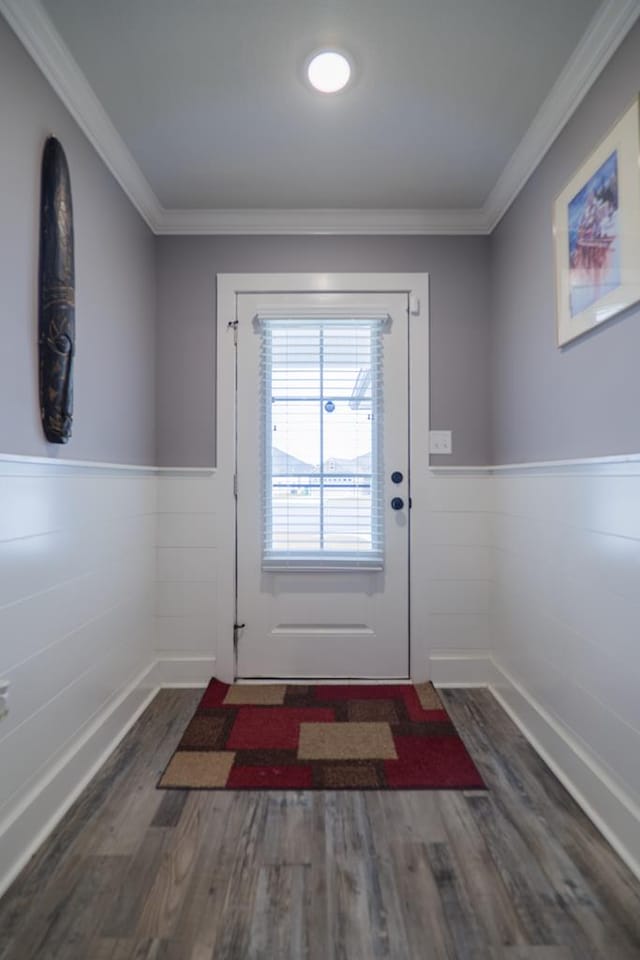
[{"x": 440, "y": 441}]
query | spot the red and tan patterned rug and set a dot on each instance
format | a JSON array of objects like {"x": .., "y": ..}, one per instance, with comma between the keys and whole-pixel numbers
[{"x": 321, "y": 737}]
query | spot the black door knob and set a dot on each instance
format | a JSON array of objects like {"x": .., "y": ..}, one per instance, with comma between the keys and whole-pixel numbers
[
  {"x": 397, "y": 503},
  {"x": 396, "y": 477}
]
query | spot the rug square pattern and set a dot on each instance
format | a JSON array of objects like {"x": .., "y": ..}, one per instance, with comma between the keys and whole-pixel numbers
[
  {"x": 369, "y": 711},
  {"x": 430, "y": 762},
  {"x": 428, "y": 696},
  {"x": 273, "y": 727},
  {"x": 349, "y": 776},
  {"x": 272, "y": 777},
  {"x": 321, "y": 737},
  {"x": 346, "y": 741},
  {"x": 200, "y": 769},
  {"x": 255, "y": 694},
  {"x": 205, "y": 733}
]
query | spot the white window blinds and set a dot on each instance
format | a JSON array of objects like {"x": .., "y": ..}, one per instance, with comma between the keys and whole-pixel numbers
[{"x": 322, "y": 464}]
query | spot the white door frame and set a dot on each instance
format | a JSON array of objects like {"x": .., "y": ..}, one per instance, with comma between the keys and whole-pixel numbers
[{"x": 416, "y": 285}]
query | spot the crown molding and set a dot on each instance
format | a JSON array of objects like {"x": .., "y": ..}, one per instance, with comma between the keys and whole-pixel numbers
[
  {"x": 33, "y": 27},
  {"x": 35, "y": 30},
  {"x": 606, "y": 31},
  {"x": 322, "y": 221}
]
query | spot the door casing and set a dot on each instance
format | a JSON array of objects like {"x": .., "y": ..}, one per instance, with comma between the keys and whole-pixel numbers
[{"x": 416, "y": 285}]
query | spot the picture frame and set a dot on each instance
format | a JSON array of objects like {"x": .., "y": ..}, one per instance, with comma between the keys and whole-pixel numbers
[{"x": 596, "y": 227}]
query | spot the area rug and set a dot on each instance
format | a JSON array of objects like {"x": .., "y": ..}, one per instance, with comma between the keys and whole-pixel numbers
[{"x": 321, "y": 737}]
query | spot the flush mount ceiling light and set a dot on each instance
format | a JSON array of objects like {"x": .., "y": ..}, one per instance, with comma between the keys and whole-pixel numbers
[{"x": 328, "y": 71}]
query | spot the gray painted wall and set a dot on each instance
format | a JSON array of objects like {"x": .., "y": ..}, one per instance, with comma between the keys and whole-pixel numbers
[
  {"x": 497, "y": 378},
  {"x": 186, "y": 335},
  {"x": 583, "y": 400},
  {"x": 115, "y": 292}
]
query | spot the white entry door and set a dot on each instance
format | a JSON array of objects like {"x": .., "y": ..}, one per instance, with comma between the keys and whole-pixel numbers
[{"x": 322, "y": 485}]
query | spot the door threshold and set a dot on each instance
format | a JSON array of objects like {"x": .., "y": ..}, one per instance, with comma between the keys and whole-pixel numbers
[{"x": 323, "y": 680}]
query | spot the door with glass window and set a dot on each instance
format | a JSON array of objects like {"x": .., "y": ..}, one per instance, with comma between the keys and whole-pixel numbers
[{"x": 322, "y": 485}]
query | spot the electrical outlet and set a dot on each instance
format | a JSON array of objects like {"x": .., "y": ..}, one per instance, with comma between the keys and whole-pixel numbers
[{"x": 440, "y": 441}]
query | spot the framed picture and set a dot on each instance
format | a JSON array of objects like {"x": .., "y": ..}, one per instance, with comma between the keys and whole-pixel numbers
[{"x": 596, "y": 226}]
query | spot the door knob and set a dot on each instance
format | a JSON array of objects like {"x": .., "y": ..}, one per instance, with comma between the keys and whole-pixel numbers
[
  {"x": 397, "y": 503},
  {"x": 396, "y": 477}
]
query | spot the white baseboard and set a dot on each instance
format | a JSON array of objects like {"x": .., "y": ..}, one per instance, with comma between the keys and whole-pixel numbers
[
  {"x": 184, "y": 670},
  {"x": 607, "y": 805},
  {"x": 460, "y": 668},
  {"x": 48, "y": 800}
]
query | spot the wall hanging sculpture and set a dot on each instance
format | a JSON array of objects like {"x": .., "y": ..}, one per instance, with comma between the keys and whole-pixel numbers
[{"x": 56, "y": 314}]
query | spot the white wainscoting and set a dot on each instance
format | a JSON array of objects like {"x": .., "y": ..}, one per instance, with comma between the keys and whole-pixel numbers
[
  {"x": 458, "y": 575},
  {"x": 194, "y": 601},
  {"x": 77, "y": 565},
  {"x": 530, "y": 586},
  {"x": 565, "y": 627},
  {"x": 188, "y": 558},
  {"x": 562, "y": 648}
]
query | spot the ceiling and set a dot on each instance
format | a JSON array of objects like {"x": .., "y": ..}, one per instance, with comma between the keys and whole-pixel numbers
[{"x": 207, "y": 95}]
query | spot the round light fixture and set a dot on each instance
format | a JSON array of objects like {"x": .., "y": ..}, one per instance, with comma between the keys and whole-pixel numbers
[{"x": 328, "y": 71}]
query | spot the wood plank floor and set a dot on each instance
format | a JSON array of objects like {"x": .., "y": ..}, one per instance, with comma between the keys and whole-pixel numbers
[{"x": 517, "y": 873}]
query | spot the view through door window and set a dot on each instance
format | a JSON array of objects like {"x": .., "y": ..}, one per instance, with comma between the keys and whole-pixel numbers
[{"x": 322, "y": 396}]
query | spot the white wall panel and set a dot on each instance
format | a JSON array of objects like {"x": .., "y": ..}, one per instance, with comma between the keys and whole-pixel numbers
[
  {"x": 187, "y": 564},
  {"x": 457, "y": 572},
  {"x": 460, "y": 597},
  {"x": 29, "y": 565},
  {"x": 453, "y": 562},
  {"x": 458, "y": 631},
  {"x": 187, "y": 530},
  {"x": 464, "y": 528},
  {"x": 565, "y": 616},
  {"x": 38, "y": 680},
  {"x": 77, "y": 569},
  {"x": 34, "y": 746},
  {"x": 45, "y": 502},
  {"x": 182, "y": 598},
  {"x": 187, "y": 493},
  {"x": 470, "y": 493},
  {"x": 187, "y": 634},
  {"x": 62, "y": 609},
  {"x": 188, "y": 558}
]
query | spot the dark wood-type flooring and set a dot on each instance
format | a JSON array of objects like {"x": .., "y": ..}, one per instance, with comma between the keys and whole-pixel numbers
[{"x": 518, "y": 873}]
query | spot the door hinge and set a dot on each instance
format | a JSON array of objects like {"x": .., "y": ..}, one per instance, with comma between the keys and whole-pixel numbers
[
  {"x": 236, "y": 628},
  {"x": 414, "y": 305},
  {"x": 233, "y": 324},
  {"x": 235, "y": 485}
]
